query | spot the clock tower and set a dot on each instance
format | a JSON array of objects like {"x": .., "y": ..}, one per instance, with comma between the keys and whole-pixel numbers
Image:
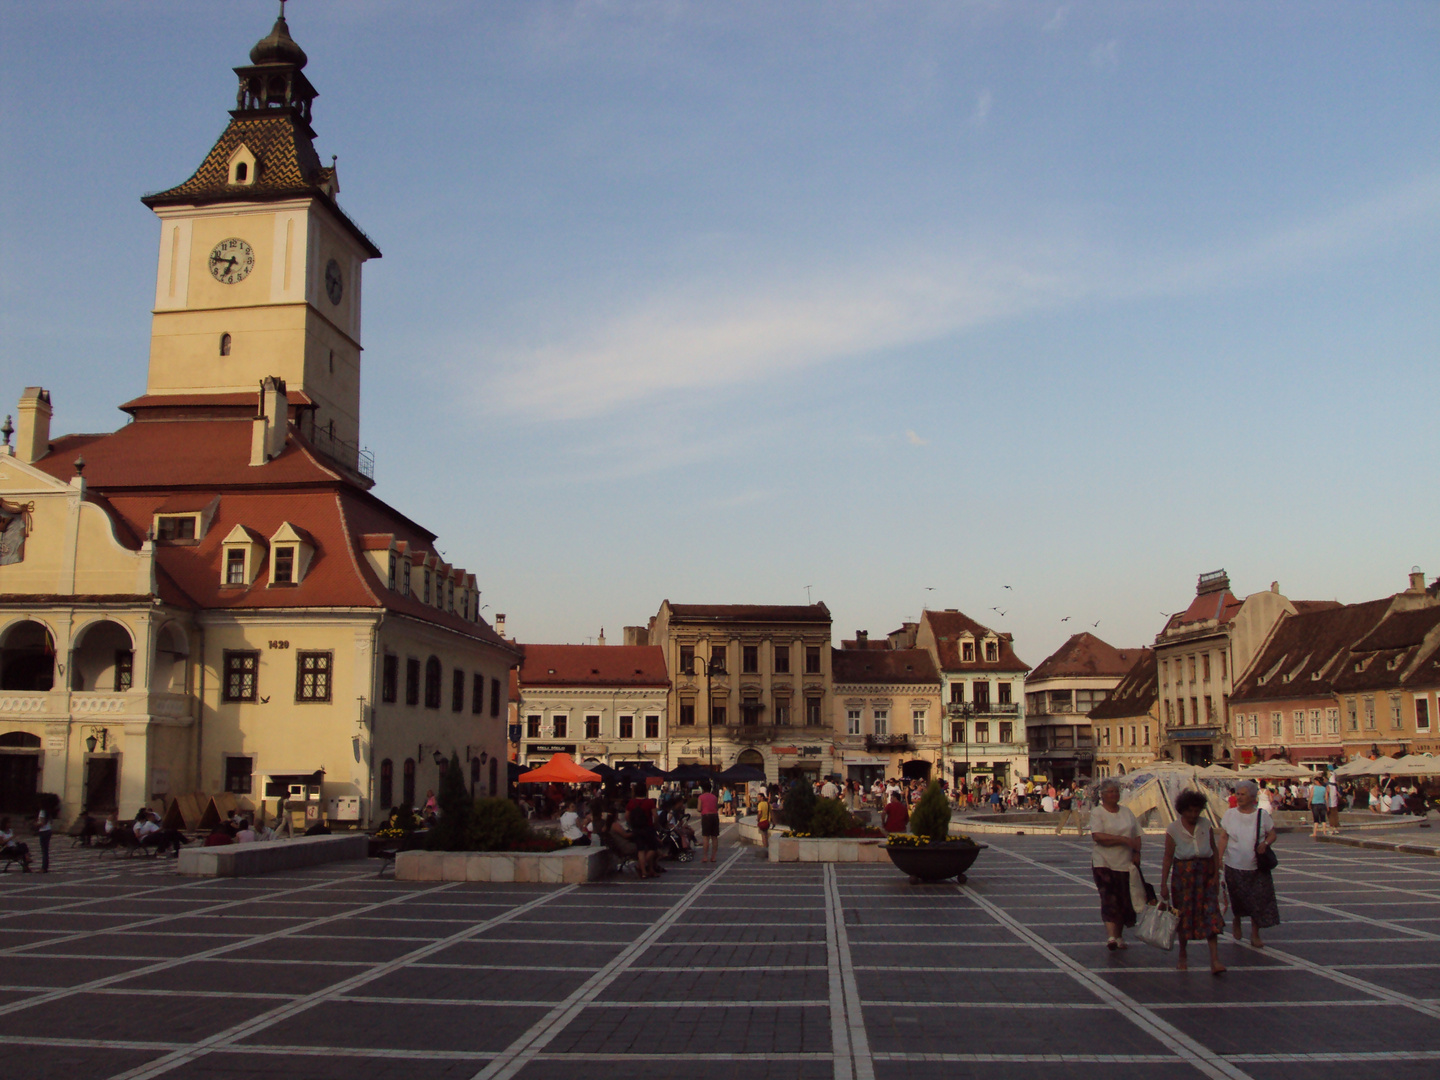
[{"x": 259, "y": 271}]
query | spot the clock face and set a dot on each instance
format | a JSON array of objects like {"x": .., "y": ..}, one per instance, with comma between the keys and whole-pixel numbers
[
  {"x": 231, "y": 261},
  {"x": 334, "y": 285}
]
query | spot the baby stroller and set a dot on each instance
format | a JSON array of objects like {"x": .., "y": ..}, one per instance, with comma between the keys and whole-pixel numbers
[{"x": 677, "y": 839}]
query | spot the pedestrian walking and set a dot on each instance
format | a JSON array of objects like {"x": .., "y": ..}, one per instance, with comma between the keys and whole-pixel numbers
[
  {"x": 1116, "y": 835},
  {"x": 762, "y": 817},
  {"x": 1332, "y": 804},
  {"x": 1247, "y": 832},
  {"x": 709, "y": 807},
  {"x": 1317, "y": 806},
  {"x": 1190, "y": 878},
  {"x": 44, "y": 819}
]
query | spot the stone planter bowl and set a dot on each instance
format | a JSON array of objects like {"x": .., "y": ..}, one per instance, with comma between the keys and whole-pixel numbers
[{"x": 935, "y": 862}]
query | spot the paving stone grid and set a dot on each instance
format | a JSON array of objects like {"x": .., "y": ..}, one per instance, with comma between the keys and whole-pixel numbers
[{"x": 117, "y": 969}]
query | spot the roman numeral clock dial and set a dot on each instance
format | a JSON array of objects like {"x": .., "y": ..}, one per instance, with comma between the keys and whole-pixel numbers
[{"x": 231, "y": 260}]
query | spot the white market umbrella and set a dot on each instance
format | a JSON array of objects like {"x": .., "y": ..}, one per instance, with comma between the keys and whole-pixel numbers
[
  {"x": 1219, "y": 772},
  {"x": 1416, "y": 765},
  {"x": 1355, "y": 767},
  {"x": 1275, "y": 770},
  {"x": 1379, "y": 767}
]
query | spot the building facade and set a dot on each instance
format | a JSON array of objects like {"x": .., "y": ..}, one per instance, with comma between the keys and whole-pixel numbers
[
  {"x": 211, "y": 598},
  {"x": 750, "y": 684},
  {"x": 1198, "y": 654},
  {"x": 1059, "y": 695},
  {"x": 1126, "y": 725},
  {"x": 888, "y": 720},
  {"x": 601, "y": 704},
  {"x": 982, "y": 683}
]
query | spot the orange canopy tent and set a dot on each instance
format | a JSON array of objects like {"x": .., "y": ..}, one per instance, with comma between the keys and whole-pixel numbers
[{"x": 560, "y": 769}]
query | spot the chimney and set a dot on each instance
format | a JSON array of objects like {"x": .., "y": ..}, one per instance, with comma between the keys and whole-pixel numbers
[
  {"x": 33, "y": 441},
  {"x": 500, "y": 623},
  {"x": 862, "y": 638},
  {"x": 1274, "y": 586},
  {"x": 637, "y": 635},
  {"x": 601, "y": 639},
  {"x": 1417, "y": 579},
  {"x": 271, "y": 426}
]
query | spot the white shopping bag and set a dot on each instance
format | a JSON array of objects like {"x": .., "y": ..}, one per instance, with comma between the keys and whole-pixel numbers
[{"x": 1156, "y": 926}]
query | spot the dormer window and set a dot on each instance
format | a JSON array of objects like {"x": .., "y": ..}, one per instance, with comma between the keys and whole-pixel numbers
[
  {"x": 426, "y": 595},
  {"x": 284, "y": 566},
  {"x": 967, "y": 652},
  {"x": 171, "y": 527},
  {"x": 450, "y": 600},
  {"x": 242, "y": 167},
  {"x": 243, "y": 551},
  {"x": 405, "y": 578},
  {"x": 291, "y": 552},
  {"x": 992, "y": 651},
  {"x": 393, "y": 564}
]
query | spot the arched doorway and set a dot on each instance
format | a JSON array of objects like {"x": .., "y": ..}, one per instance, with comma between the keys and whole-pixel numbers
[
  {"x": 915, "y": 769},
  {"x": 27, "y": 657},
  {"x": 102, "y": 658},
  {"x": 19, "y": 772}
]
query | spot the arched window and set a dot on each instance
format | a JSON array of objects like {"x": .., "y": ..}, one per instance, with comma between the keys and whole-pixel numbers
[
  {"x": 409, "y": 790},
  {"x": 474, "y": 775},
  {"x": 225, "y": 338},
  {"x": 432, "y": 683},
  {"x": 494, "y": 777},
  {"x": 241, "y": 172},
  {"x": 27, "y": 658},
  {"x": 387, "y": 784}
]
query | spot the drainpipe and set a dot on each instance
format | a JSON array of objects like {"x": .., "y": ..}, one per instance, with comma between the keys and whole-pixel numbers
[
  {"x": 199, "y": 710},
  {"x": 376, "y": 661}
]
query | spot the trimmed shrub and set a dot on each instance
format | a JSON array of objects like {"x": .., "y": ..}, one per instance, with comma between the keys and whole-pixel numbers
[
  {"x": 799, "y": 806},
  {"x": 830, "y": 818},
  {"x": 452, "y": 831},
  {"x": 931, "y": 817},
  {"x": 496, "y": 825}
]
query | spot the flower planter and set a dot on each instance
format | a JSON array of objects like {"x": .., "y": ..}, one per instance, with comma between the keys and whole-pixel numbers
[{"x": 935, "y": 862}]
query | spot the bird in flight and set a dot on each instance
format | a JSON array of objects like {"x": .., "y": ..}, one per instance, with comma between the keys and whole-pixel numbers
[
  {"x": 1065, "y": 619},
  {"x": 1095, "y": 623},
  {"x": 1007, "y": 586}
]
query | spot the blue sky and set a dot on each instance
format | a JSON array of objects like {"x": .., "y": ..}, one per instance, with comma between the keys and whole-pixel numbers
[{"x": 902, "y": 302}]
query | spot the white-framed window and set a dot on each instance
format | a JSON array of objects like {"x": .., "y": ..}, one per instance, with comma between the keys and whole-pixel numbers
[
  {"x": 1276, "y": 724},
  {"x": 1147, "y": 735},
  {"x": 1395, "y": 721},
  {"x": 852, "y": 721},
  {"x": 982, "y": 731},
  {"x": 1134, "y": 732},
  {"x": 1105, "y": 736},
  {"x": 1369, "y": 714},
  {"x": 1314, "y": 721},
  {"x": 882, "y": 721},
  {"x": 1352, "y": 720},
  {"x": 917, "y": 717},
  {"x": 1422, "y": 712},
  {"x": 1332, "y": 721}
]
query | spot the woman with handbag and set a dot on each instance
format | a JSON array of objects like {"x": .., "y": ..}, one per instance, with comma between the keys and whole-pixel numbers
[
  {"x": 1116, "y": 835},
  {"x": 1190, "y": 878},
  {"x": 1247, "y": 833}
]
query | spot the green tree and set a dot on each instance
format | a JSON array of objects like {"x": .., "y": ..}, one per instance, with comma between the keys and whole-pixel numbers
[
  {"x": 830, "y": 818},
  {"x": 931, "y": 818},
  {"x": 452, "y": 831},
  {"x": 496, "y": 825},
  {"x": 799, "y": 806}
]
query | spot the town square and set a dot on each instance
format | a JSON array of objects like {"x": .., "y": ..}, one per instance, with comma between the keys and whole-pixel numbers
[{"x": 835, "y": 541}]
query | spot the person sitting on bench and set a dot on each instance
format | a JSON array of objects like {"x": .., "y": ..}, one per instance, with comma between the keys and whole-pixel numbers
[{"x": 10, "y": 850}]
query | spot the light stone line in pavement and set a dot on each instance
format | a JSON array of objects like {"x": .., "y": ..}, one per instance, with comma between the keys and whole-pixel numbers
[
  {"x": 853, "y": 1060},
  {"x": 1330, "y": 972},
  {"x": 1383, "y": 924},
  {"x": 539, "y": 1035},
  {"x": 131, "y": 928},
  {"x": 230, "y": 1036},
  {"x": 950, "y": 968},
  {"x": 218, "y": 952},
  {"x": 67, "y": 907},
  {"x": 1366, "y": 888},
  {"x": 1188, "y": 1049}
]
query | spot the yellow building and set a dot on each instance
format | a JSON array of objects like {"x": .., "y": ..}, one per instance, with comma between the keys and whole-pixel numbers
[
  {"x": 210, "y": 598},
  {"x": 888, "y": 719}
]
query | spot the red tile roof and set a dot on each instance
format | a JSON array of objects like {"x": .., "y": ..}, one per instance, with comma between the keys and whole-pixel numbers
[
  {"x": 756, "y": 613},
  {"x": 1307, "y": 652},
  {"x": 594, "y": 666},
  {"x": 949, "y": 626},
  {"x": 146, "y": 465},
  {"x": 883, "y": 666},
  {"x": 1082, "y": 655},
  {"x": 1400, "y": 652},
  {"x": 1135, "y": 694}
]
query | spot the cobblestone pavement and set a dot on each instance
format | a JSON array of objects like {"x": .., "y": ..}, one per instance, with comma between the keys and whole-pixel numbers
[{"x": 116, "y": 968}]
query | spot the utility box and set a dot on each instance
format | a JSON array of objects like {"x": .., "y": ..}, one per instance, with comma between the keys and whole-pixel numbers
[{"x": 345, "y": 808}]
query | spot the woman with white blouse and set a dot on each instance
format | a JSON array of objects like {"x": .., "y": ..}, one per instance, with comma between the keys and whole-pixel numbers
[
  {"x": 1190, "y": 873},
  {"x": 1116, "y": 833},
  {"x": 1248, "y": 831}
]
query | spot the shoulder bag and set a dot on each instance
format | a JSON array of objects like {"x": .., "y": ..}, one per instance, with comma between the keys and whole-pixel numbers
[{"x": 1265, "y": 860}]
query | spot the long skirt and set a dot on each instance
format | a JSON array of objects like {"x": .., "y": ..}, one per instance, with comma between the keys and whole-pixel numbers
[
  {"x": 1252, "y": 896},
  {"x": 1114, "y": 888},
  {"x": 1195, "y": 893}
]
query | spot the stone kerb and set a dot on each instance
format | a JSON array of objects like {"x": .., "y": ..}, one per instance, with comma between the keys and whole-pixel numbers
[
  {"x": 568, "y": 866},
  {"x": 268, "y": 856},
  {"x": 785, "y": 848}
]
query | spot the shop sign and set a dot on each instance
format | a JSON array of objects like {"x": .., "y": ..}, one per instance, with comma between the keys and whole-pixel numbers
[
  {"x": 811, "y": 751},
  {"x": 551, "y": 748}
]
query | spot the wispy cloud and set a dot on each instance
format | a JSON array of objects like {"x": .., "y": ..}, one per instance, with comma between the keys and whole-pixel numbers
[
  {"x": 1053, "y": 24},
  {"x": 915, "y": 440},
  {"x": 981, "y": 112},
  {"x": 1106, "y": 55},
  {"x": 736, "y": 328}
]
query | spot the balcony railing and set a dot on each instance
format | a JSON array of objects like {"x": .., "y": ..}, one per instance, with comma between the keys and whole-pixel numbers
[
  {"x": 958, "y": 711},
  {"x": 352, "y": 456},
  {"x": 888, "y": 742}
]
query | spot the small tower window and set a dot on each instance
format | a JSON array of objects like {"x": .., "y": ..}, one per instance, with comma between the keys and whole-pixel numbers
[
  {"x": 224, "y": 344},
  {"x": 332, "y": 361},
  {"x": 242, "y": 171}
]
